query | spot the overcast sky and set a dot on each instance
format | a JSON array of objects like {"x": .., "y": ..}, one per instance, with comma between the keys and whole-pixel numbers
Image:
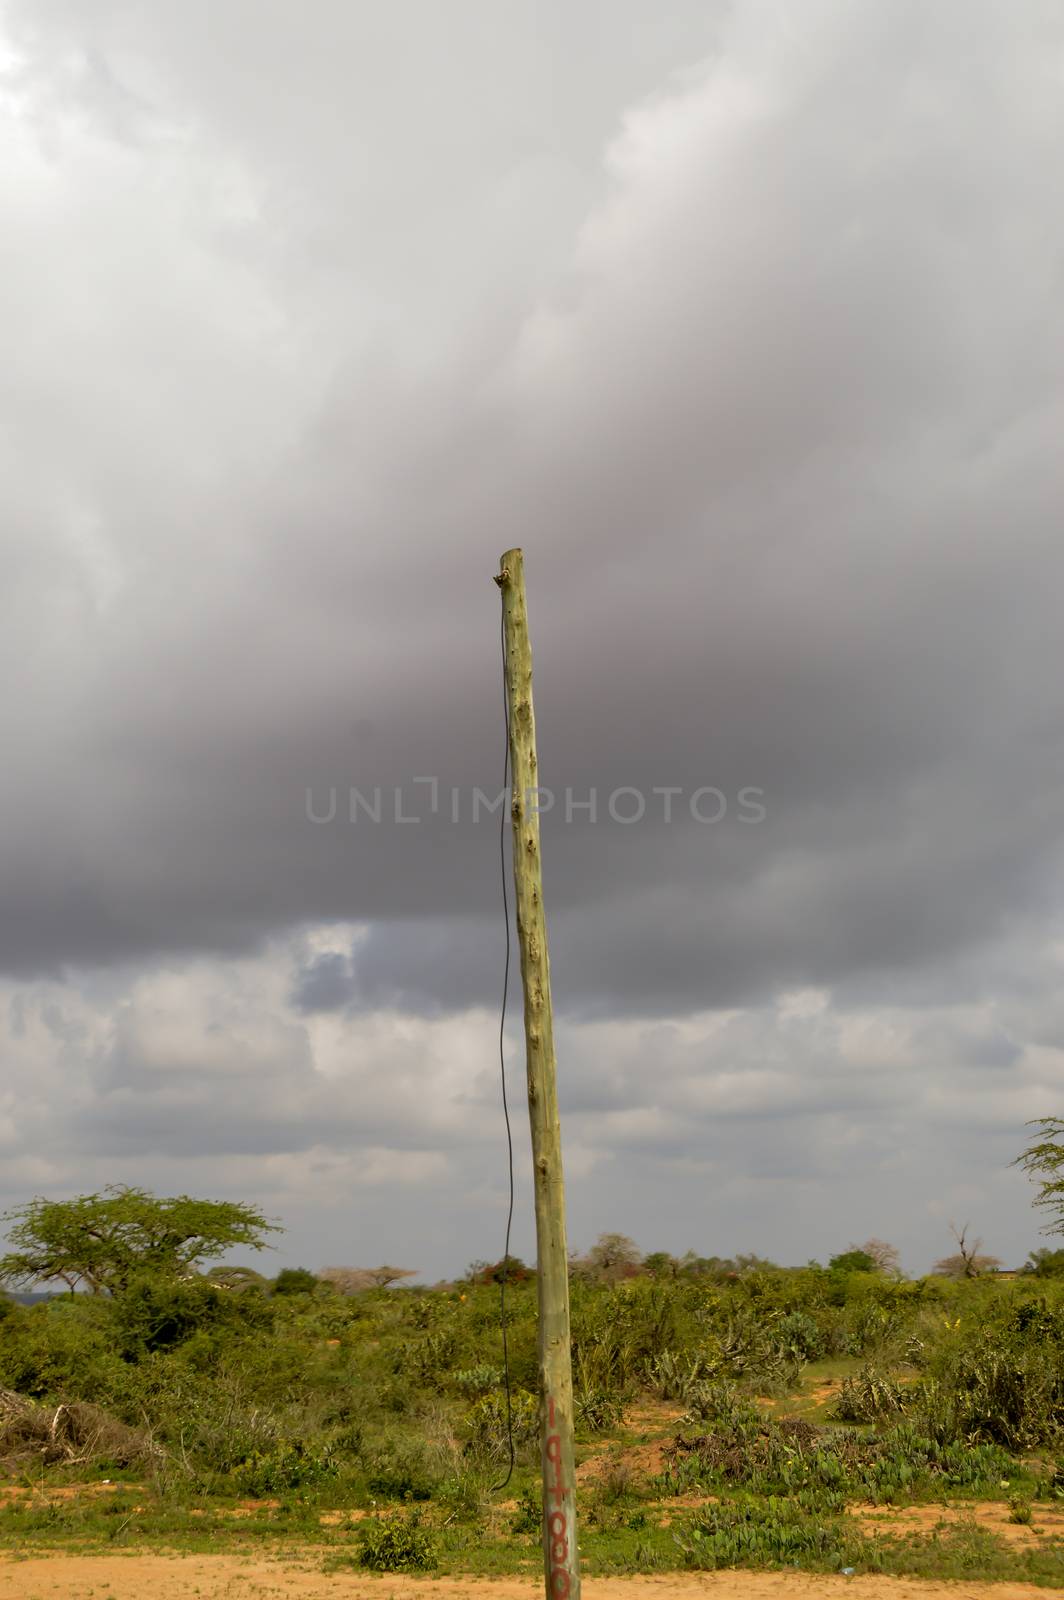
[{"x": 745, "y": 321}]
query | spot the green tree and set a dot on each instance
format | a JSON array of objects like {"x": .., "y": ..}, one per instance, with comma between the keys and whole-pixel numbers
[
  {"x": 106, "y": 1240},
  {"x": 853, "y": 1260},
  {"x": 1045, "y": 1264},
  {"x": 1043, "y": 1161},
  {"x": 660, "y": 1264},
  {"x": 295, "y": 1280},
  {"x": 719, "y": 1268}
]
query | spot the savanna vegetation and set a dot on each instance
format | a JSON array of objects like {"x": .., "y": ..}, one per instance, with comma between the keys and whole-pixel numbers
[{"x": 729, "y": 1412}]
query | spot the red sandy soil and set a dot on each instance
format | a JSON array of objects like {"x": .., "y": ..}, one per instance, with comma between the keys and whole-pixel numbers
[{"x": 136, "y": 1576}]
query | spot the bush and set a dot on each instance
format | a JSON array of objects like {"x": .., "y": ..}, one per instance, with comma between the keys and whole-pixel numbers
[
  {"x": 799, "y": 1337},
  {"x": 287, "y": 1466},
  {"x": 720, "y": 1401},
  {"x": 676, "y": 1375},
  {"x": 510, "y": 1270},
  {"x": 597, "y": 1410},
  {"x": 476, "y": 1381},
  {"x": 868, "y": 1397},
  {"x": 400, "y": 1473},
  {"x": 529, "y": 1517},
  {"x": 160, "y": 1313},
  {"x": 62, "y": 1348},
  {"x": 825, "y": 1468},
  {"x": 486, "y": 1429},
  {"x": 396, "y": 1544},
  {"x": 1004, "y": 1384},
  {"x": 761, "y": 1533}
]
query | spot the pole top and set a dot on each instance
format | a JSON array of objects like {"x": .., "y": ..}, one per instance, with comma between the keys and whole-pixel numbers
[{"x": 511, "y": 565}]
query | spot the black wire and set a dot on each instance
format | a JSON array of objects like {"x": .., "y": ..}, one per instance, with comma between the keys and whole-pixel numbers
[{"x": 502, "y": 1068}]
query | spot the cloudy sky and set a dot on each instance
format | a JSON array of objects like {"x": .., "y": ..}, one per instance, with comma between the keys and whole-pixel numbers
[{"x": 744, "y": 320}]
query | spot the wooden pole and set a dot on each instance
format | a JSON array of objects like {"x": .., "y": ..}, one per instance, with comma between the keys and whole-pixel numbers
[{"x": 561, "y": 1559}]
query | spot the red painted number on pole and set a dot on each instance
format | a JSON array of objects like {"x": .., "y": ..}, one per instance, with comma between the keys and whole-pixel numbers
[{"x": 558, "y": 1521}]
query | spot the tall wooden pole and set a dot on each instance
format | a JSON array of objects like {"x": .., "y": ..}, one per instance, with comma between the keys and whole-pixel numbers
[{"x": 560, "y": 1554}]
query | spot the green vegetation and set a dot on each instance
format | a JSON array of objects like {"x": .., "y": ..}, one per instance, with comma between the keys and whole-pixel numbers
[{"x": 728, "y": 1412}]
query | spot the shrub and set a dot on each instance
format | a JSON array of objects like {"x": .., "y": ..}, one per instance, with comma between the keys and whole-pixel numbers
[
  {"x": 756, "y": 1533},
  {"x": 510, "y": 1270},
  {"x": 286, "y": 1466},
  {"x": 823, "y": 1469},
  {"x": 675, "y": 1375},
  {"x": 799, "y": 1337},
  {"x": 61, "y": 1348},
  {"x": 1004, "y": 1384},
  {"x": 854, "y": 1260},
  {"x": 720, "y": 1401},
  {"x": 598, "y": 1409},
  {"x": 475, "y": 1381},
  {"x": 868, "y": 1397},
  {"x": 529, "y": 1517},
  {"x": 400, "y": 1472},
  {"x": 161, "y": 1313},
  {"x": 395, "y": 1543},
  {"x": 486, "y": 1430}
]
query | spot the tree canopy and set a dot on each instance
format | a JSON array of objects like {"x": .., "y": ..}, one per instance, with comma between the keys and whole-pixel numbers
[
  {"x": 353, "y": 1280},
  {"x": 1045, "y": 1264},
  {"x": 612, "y": 1256},
  {"x": 1043, "y": 1161},
  {"x": 106, "y": 1240},
  {"x": 295, "y": 1280},
  {"x": 853, "y": 1260}
]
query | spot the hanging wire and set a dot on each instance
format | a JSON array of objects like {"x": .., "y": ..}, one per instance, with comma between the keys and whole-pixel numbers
[{"x": 502, "y": 1066}]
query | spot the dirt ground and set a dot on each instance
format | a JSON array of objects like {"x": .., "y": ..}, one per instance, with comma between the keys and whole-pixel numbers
[
  {"x": 1047, "y": 1522},
  {"x": 225, "y": 1577}
]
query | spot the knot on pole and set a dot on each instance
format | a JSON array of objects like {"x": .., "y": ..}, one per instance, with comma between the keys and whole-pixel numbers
[{"x": 502, "y": 578}]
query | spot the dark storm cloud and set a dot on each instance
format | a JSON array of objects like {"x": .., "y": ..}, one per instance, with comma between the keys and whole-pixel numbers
[{"x": 780, "y": 451}]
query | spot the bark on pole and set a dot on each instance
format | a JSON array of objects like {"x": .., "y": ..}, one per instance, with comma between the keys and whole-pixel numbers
[{"x": 560, "y": 1555}]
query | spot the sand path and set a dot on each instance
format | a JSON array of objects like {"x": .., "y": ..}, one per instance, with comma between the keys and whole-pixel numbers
[{"x": 138, "y": 1576}]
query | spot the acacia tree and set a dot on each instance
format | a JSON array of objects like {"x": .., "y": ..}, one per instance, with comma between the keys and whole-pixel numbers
[
  {"x": 967, "y": 1263},
  {"x": 106, "y": 1240},
  {"x": 353, "y": 1280},
  {"x": 235, "y": 1278},
  {"x": 612, "y": 1256},
  {"x": 1044, "y": 1162}
]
